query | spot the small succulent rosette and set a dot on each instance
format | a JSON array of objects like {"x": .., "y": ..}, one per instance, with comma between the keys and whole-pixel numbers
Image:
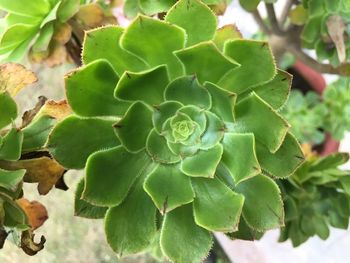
[{"x": 177, "y": 126}]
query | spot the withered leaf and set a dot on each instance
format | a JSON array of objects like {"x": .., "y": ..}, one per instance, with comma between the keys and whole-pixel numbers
[
  {"x": 63, "y": 33},
  {"x": 90, "y": 15},
  {"x": 14, "y": 77},
  {"x": 43, "y": 170},
  {"x": 58, "y": 110},
  {"x": 336, "y": 28},
  {"x": 29, "y": 246},
  {"x": 35, "y": 211},
  {"x": 29, "y": 115}
]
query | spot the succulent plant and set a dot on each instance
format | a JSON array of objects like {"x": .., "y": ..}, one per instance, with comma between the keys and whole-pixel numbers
[
  {"x": 307, "y": 115},
  {"x": 326, "y": 29},
  {"x": 175, "y": 123},
  {"x": 11, "y": 215},
  {"x": 151, "y": 7},
  {"x": 315, "y": 197},
  {"x": 337, "y": 100},
  {"x": 32, "y": 22},
  {"x": 22, "y": 157}
]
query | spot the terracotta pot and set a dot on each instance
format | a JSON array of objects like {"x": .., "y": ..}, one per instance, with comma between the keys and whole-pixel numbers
[{"x": 317, "y": 83}]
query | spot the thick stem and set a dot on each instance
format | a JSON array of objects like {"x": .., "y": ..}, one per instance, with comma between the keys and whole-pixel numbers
[
  {"x": 314, "y": 64},
  {"x": 74, "y": 50},
  {"x": 285, "y": 12},
  {"x": 258, "y": 19},
  {"x": 273, "y": 19}
]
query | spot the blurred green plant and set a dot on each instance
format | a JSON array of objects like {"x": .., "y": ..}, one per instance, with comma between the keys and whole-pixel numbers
[
  {"x": 50, "y": 31},
  {"x": 311, "y": 116},
  {"x": 322, "y": 25},
  {"x": 337, "y": 100},
  {"x": 315, "y": 197},
  {"x": 171, "y": 128},
  {"x": 32, "y": 24},
  {"x": 307, "y": 115},
  {"x": 326, "y": 28}
]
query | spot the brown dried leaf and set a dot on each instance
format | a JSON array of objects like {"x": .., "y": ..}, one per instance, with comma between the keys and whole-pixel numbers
[
  {"x": 35, "y": 211},
  {"x": 63, "y": 33},
  {"x": 42, "y": 170},
  {"x": 56, "y": 55},
  {"x": 58, "y": 110},
  {"x": 29, "y": 115},
  {"x": 336, "y": 28},
  {"x": 29, "y": 246},
  {"x": 14, "y": 77},
  {"x": 90, "y": 15}
]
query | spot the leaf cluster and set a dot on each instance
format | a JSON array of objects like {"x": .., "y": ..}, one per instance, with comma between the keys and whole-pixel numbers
[
  {"x": 177, "y": 129},
  {"x": 316, "y": 197},
  {"x": 311, "y": 116},
  {"x": 15, "y": 168}
]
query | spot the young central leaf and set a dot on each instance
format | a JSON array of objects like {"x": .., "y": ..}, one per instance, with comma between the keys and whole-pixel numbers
[{"x": 182, "y": 130}]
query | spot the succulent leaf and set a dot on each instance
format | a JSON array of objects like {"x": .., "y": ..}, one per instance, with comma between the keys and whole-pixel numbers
[
  {"x": 85, "y": 209},
  {"x": 8, "y": 109},
  {"x": 216, "y": 207},
  {"x": 83, "y": 137},
  {"x": 128, "y": 128},
  {"x": 198, "y": 59},
  {"x": 97, "y": 45},
  {"x": 125, "y": 232},
  {"x": 147, "y": 85},
  {"x": 204, "y": 163},
  {"x": 182, "y": 14},
  {"x": 11, "y": 146},
  {"x": 250, "y": 73},
  {"x": 272, "y": 163},
  {"x": 154, "y": 42},
  {"x": 10, "y": 180},
  {"x": 188, "y": 91},
  {"x": 195, "y": 242},
  {"x": 254, "y": 112},
  {"x": 169, "y": 188},
  {"x": 261, "y": 213},
  {"x": 239, "y": 156},
  {"x": 124, "y": 169},
  {"x": 96, "y": 99}
]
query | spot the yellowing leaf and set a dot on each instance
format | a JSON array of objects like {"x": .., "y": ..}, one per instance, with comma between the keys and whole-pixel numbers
[
  {"x": 58, "y": 110},
  {"x": 43, "y": 170},
  {"x": 90, "y": 15},
  {"x": 14, "y": 77}
]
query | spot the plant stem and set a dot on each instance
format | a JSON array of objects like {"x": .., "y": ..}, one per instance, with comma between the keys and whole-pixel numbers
[
  {"x": 291, "y": 42},
  {"x": 285, "y": 12},
  {"x": 273, "y": 19},
  {"x": 260, "y": 22}
]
